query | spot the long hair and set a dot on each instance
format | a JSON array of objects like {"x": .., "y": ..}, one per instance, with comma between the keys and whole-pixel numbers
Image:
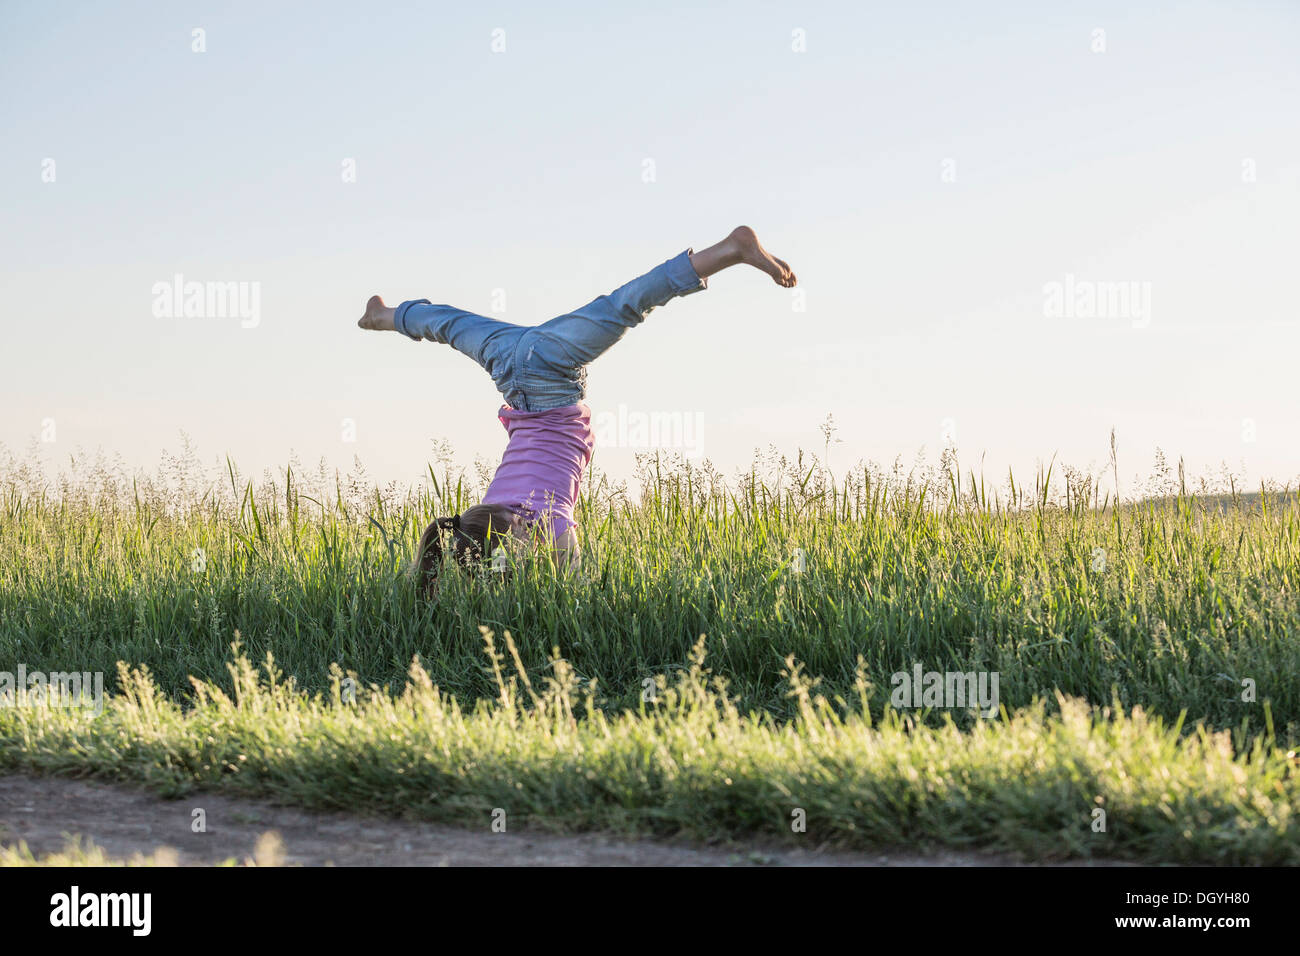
[{"x": 470, "y": 536}]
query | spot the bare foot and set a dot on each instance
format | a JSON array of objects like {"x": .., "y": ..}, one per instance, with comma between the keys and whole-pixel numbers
[
  {"x": 378, "y": 317},
  {"x": 745, "y": 243}
]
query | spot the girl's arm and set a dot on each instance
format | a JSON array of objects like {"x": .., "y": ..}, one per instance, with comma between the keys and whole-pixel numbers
[{"x": 567, "y": 552}]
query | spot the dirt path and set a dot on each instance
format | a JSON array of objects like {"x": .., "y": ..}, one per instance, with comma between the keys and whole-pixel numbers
[{"x": 43, "y": 811}]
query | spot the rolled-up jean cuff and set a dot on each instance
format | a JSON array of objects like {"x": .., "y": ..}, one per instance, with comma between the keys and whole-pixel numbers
[
  {"x": 683, "y": 276},
  {"x": 399, "y": 316}
]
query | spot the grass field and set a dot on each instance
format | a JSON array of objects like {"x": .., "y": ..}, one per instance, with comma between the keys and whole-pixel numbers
[{"x": 810, "y": 595}]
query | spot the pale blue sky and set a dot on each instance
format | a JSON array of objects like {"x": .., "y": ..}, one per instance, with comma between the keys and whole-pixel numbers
[{"x": 523, "y": 171}]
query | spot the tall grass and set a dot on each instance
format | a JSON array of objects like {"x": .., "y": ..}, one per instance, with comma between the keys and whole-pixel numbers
[
  {"x": 1179, "y": 605},
  {"x": 1080, "y": 782}
]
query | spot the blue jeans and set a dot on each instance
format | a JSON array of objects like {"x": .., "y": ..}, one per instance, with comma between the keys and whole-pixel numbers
[{"x": 545, "y": 366}]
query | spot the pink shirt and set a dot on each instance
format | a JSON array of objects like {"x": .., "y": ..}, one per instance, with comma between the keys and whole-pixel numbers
[{"x": 543, "y": 464}]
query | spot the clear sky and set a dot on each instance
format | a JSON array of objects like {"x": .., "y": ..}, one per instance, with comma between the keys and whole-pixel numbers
[{"x": 930, "y": 170}]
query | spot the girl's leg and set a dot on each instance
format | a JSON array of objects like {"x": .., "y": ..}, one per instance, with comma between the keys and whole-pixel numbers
[
  {"x": 490, "y": 342},
  {"x": 578, "y": 338},
  {"x": 546, "y": 366},
  {"x": 550, "y": 365}
]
